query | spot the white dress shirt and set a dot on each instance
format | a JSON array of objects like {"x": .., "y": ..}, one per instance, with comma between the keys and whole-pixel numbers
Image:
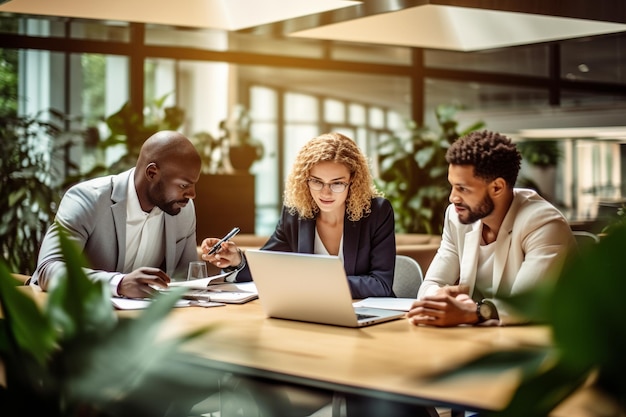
[{"x": 144, "y": 236}]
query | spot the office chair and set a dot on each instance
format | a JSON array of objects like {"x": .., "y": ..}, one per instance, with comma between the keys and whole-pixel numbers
[
  {"x": 584, "y": 238},
  {"x": 407, "y": 278}
]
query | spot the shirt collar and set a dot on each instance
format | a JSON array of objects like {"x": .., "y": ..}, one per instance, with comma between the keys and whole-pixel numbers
[{"x": 133, "y": 208}]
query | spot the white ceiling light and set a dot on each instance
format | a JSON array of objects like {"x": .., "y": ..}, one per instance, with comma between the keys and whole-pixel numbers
[
  {"x": 215, "y": 14},
  {"x": 458, "y": 28}
]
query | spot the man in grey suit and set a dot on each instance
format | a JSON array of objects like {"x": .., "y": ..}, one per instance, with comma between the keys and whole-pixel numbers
[{"x": 137, "y": 228}]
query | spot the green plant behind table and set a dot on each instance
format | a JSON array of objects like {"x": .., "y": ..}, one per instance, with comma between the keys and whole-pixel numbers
[
  {"x": 585, "y": 310},
  {"x": 28, "y": 196},
  {"x": 543, "y": 153},
  {"x": 76, "y": 357},
  {"x": 130, "y": 129},
  {"x": 617, "y": 221},
  {"x": 414, "y": 172}
]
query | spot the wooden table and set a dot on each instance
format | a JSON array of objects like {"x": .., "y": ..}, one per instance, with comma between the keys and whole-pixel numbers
[{"x": 393, "y": 360}]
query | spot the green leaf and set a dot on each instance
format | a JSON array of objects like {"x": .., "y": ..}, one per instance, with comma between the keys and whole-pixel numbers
[
  {"x": 414, "y": 159},
  {"x": 588, "y": 300},
  {"x": 541, "y": 392},
  {"x": 25, "y": 330},
  {"x": 94, "y": 312}
]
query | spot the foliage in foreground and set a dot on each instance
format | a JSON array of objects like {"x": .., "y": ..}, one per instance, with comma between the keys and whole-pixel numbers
[
  {"x": 585, "y": 309},
  {"x": 75, "y": 356}
]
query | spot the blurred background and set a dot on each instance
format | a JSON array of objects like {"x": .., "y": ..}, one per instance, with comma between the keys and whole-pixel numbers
[{"x": 84, "y": 83}]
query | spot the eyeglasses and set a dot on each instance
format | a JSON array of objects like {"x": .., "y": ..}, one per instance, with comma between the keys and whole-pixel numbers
[{"x": 335, "y": 187}]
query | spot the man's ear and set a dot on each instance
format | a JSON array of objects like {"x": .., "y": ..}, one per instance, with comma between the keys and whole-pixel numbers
[
  {"x": 152, "y": 171},
  {"x": 497, "y": 187}
]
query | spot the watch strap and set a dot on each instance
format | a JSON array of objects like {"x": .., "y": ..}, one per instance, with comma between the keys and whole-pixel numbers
[{"x": 481, "y": 318}]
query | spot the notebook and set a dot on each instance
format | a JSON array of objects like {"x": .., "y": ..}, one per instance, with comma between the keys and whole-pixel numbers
[
  {"x": 216, "y": 289},
  {"x": 231, "y": 293},
  {"x": 311, "y": 288}
]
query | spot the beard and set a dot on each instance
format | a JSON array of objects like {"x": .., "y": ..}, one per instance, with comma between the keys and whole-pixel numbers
[
  {"x": 158, "y": 198},
  {"x": 483, "y": 209}
]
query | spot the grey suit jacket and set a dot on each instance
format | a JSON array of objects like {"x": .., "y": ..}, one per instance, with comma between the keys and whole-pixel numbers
[
  {"x": 532, "y": 244},
  {"x": 94, "y": 214}
]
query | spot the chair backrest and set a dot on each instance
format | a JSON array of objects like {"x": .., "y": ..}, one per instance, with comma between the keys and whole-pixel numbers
[
  {"x": 407, "y": 278},
  {"x": 584, "y": 238}
]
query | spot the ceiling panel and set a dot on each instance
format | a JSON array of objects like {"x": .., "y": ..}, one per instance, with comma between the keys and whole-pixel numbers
[
  {"x": 216, "y": 14},
  {"x": 458, "y": 28}
]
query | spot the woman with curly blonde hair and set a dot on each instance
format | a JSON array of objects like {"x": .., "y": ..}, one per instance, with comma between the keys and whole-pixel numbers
[
  {"x": 337, "y": 148},
  {"x": 331, "y": 206}
]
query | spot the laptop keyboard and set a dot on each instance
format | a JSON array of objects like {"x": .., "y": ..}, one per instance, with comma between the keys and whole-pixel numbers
[{"x": 363, "y": 316}]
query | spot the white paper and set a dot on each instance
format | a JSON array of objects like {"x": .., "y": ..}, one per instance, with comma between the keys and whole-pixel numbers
[
  {"x": 387, "y": 303},
  {"x": 248, "y": 286},
  {"x": 201, "y": 282},
  {"x": 138, "y": 303},
  {"x": 232, "y": 293}
]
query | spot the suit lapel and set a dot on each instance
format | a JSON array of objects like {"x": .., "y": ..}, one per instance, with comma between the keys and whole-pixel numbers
[
  {"x": 504, "y": 244},
  {"x": 500, "y": 258},
  {"x": 350, "y": 244},
  {"x": 118, "y": 209},
  {"x": 469, "y": 262},
  {"x": 170, "y": 236},
  {"x": 306, "y": 235}
]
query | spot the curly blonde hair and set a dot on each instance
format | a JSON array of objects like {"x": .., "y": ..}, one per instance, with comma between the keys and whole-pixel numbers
[{"x": 330, "y": 147}]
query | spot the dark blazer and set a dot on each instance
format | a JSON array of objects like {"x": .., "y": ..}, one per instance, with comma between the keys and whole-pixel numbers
[{"x": 369, "y": 248}]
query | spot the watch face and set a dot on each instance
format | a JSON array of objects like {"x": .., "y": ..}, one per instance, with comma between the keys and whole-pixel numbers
[{"x": 486, "y": 312}]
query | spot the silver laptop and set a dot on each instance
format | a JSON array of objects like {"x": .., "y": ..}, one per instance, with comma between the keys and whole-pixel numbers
[{"x": 312, "y": 288}]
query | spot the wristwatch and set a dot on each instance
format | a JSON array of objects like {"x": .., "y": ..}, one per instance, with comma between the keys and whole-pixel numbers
[
  {"x": 486, "y": 310},
  {"x": 237, "y": 267}
]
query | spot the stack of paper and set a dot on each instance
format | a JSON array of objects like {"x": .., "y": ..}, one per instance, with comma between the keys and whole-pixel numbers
[
  {"x": 214, "y": 289},
  {"x": 388, "y": 303}
]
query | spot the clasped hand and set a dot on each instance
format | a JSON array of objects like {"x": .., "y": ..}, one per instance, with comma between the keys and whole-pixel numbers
[
  {"x": 226, "y": 256},
  {"x": 450, "y": 306}
]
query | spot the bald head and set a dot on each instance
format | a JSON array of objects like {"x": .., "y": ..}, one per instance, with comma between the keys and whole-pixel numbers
[
  {"x": 167, "y": 170},
  {"x": 167, "y": 147}
]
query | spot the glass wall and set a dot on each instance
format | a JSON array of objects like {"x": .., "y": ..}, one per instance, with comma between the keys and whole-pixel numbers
[
  {"x": 296, "y": 89},
  {"x": 518, "y": 60},
  {"x": 601, "y": 58}
]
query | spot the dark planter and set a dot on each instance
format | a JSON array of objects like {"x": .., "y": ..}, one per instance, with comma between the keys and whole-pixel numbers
[{"x": 243, "y": 156}]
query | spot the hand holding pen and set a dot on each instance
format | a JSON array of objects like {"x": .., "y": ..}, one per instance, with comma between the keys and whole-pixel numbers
[
  {"x": 216, "y": 248},
  {"x": 214, "y": 254}
]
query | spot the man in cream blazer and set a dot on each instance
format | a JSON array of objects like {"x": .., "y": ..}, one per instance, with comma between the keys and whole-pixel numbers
[
  {"x": 497, "y": 241},
  {"x": 137, "y": 228}
]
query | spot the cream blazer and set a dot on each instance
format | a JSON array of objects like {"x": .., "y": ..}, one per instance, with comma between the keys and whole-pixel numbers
[{"x": 532, "y": 244}]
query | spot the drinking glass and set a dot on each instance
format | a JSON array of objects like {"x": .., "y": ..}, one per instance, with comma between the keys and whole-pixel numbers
[{"x": 197, "y": 270}]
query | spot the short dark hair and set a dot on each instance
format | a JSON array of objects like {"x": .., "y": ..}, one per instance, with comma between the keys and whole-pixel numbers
[{"x": 493, "y": 155}]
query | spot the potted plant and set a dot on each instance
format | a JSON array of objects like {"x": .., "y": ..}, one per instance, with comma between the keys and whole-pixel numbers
[
  {"x": 243, "y": 150},
  {"x": 413, "y": 172},
  {"x": 207, "y": 147},
  {"x": 540, "y": 158},
  {"x": 130, "y": 129},
  {"x": 74, "y": 356},
  {"x": 617, "y": 221},
  {"x": 28, "y": 195}
]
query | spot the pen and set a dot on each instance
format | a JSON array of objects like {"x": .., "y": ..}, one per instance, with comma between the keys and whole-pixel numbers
[{"x": 218, "y": 245}]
